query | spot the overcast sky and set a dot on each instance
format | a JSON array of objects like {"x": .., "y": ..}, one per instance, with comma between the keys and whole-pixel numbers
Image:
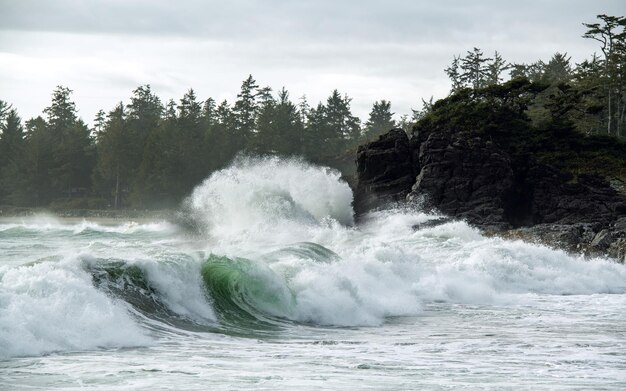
[{"x": 371, "y": 50}]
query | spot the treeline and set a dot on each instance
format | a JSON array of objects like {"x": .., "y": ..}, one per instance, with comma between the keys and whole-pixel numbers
[
  {"x": 590, "y": 95},
  {"x": 150, "y": 154}
]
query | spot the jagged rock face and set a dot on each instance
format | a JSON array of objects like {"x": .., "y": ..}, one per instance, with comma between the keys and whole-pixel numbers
[
  {"x": 384, "y": 169},
  {"x": 556, "y": 199},
  {"x": 474, "y": 179},
  {"x": 468, "y": 178},
  {"x": 471, "y": 178}
]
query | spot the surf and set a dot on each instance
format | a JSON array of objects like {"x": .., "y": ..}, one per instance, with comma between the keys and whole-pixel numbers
[{"x": 274, "y": 246}]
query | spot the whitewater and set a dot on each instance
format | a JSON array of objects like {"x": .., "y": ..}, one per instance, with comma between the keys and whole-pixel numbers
[{"x": 265, "y": 281}]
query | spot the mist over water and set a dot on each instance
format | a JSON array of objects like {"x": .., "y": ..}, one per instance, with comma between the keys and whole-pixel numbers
[{"x": 277, "y": 257}]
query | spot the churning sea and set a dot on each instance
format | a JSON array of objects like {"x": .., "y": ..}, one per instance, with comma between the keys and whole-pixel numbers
[{"x": 271, "y": 285}]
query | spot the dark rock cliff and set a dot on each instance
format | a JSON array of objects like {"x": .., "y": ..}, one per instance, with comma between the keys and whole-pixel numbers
[
  {"x": 478, "y": 158},
  {"x": 473, "y": 179}
]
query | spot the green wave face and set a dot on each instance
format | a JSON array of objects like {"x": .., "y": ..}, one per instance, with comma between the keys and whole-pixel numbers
[
  {"x": 246, "y": 296},
  {"x": 247, "y": 293}
]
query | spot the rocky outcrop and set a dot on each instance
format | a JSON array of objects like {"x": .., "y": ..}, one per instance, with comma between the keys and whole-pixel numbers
[
  {"x": 385, "y": 171},
  {"x": 472, "y": 178},
  {"x": 578, "y": 238},
  {"x": 463, "y": 177}
]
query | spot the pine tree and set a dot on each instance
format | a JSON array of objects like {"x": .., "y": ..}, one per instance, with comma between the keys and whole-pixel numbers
[
  {"x": 475, "y": 69},
  {"x": 453, "y": 72},
  {"x": 38, "y": 156},
  {"x": 344, "y": 125},
  {"x": 73, "y": 153},
  {"x": 318, "y": 137},
  {"x": 190, "y": 140},
  {"x": 280, "y": 128},
  {"x": 558, "y": 69},
  {"x": 245, "y": 112},
  {"x": 611, "y": 35},
  {"x": 11, "y": 155},
  {"x": 143, "y": 116},
  {"x": 495, "y": 69},
  {"x": 115, "y": 158},
  {"x": 380, "y": 120}
]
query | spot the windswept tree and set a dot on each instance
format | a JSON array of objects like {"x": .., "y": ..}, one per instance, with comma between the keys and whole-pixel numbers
[
  {"x": 611, "y": 34},
  {"x": 454, "y": 73},
  {"x": 495, "y": 68},
  {"x": 475, "y": 69}
]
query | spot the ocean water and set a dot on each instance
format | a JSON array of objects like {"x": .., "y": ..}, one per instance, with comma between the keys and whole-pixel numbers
[{"x": 266, "y": 282}]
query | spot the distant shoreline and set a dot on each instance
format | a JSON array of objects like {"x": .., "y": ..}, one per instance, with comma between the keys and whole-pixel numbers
[{"x": 112, "y": 214}]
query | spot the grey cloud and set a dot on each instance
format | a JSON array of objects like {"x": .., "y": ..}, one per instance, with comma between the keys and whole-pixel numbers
[
  {"x": 397, "y": 20},
  {"x": 394, "y": 49}
]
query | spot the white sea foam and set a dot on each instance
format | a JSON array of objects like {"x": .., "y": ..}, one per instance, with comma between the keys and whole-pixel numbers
[
  {"x": 52, "y": 224},
  {"x": 268, "y": 199},
  {"x": 179, "y": 284},
  {"x": 387, "y": 267},
  {"x": 52, "y": 307}
]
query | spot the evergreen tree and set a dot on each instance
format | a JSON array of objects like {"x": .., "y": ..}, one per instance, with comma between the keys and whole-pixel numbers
[
  {"x": 611, "y": 34},
  {"x": 190, "y": 140},
  {"x": 495, "y": 69},
  {"x": 143, "y": 116},
  {"x": 344, "y": 125},
  {"x": 380, "y": 120},
  {"x": 115, "y": 158},
  {"x": 38, "y": 155},
  {"x": 280, "y": 128},
  {"x": 558, "y": 69},
  {"x": 11, "y": 155},
  {"x": 474, "y": 69},
  {"x": 220, "y": 137},
  {"x": 209, "y": 113},
  {"x": 303, "y": 109},
  {"x": 99, "y": 121},
  {"x": 587, "y": 78},
  {"x": 73, "y": 155},
  {"x": 453, "y": 72},
  {"x": 245, "y": 112},
  {"x": 161, "y": 180},
  {"x": 318, "y": 136}
]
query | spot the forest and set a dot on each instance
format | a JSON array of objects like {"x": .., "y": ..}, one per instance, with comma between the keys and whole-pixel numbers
[{"x": 150, "y": 153}]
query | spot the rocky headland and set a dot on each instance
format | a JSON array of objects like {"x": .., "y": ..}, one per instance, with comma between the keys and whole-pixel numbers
[{"x": 478, "y": 157}]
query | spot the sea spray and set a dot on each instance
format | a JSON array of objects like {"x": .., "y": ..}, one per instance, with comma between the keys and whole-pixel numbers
[
  {"x": 282, "y": 234},
  {"x": 384, "y": 267},
  {"x": 270, "y": 198},
  {"x": 51, "y": 307}
]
